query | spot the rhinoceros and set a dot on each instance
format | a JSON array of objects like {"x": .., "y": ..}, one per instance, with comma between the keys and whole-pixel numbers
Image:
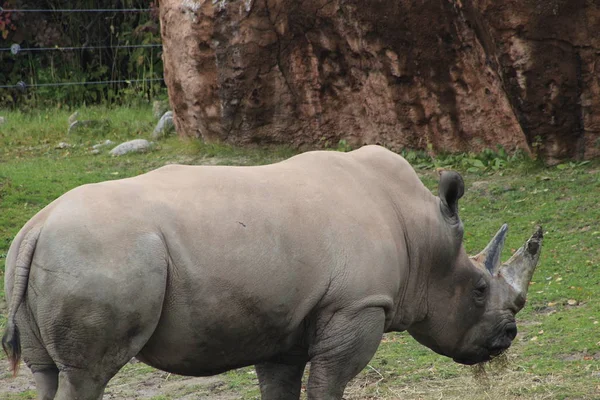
[{"x": 197, "y": 270}]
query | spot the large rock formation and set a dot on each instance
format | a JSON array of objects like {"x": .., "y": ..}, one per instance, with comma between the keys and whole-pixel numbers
[
  {"x": 549, "y": 55},
  {"x": 442, "y": 75}
]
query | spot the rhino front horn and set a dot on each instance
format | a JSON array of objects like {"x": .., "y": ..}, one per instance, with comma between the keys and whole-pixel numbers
[{"x": 518, "y": 270}]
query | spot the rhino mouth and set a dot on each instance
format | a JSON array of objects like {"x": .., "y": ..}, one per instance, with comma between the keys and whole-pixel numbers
[
  {"x": 486, "y": 355},
  {"x": 494, "y": 348},
  {"x": 495, "y": 352},
  {"x": 468, "y": 361}
]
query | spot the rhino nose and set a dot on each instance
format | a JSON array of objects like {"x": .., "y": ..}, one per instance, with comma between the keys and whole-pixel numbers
[{"x": 511, "y": 331}]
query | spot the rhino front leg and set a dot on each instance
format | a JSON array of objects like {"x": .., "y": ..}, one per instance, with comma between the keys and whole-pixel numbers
[
  {"x": 280, "y": 381},
  {"x": 343, "y": 347}
]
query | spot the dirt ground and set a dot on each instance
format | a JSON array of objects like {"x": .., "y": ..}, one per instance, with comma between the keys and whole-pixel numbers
[
  {"x": 138, "y": 381},
  {"x": 135, "y": 381}
]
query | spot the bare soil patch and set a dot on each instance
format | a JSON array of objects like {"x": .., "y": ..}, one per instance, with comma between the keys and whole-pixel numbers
[{"x": 135, "y": 381}]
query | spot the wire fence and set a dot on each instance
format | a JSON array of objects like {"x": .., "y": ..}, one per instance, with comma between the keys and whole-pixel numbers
[
  {"x": 81, "y": 10},
  {"x": 16, "y": 49},
  {"x": 23, "y": 86}
]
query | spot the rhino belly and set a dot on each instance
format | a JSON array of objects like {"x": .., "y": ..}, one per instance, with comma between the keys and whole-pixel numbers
[{"x": 221, "y": 330}]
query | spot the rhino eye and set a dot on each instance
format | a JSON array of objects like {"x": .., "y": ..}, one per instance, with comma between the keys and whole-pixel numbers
[{"x": 480, "y": 289}]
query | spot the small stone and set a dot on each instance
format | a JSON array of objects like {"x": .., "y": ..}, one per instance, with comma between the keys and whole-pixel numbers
[
  {"x": 136, "y": 145},
  {"x": 2, "y": 120},
  {"x": 164, "y": 126},
  {"x": 93, "y": 125},
  {"x": 73, "y": 126},
  {"x": 95, "y": 152},
  {"x": 76, "y": 126},
  {"x": 73, "y": 117},
  {"x": 103, "y": 144},
  {"x": 572, "y": 302},
  {"x": 62, "y": 145}
]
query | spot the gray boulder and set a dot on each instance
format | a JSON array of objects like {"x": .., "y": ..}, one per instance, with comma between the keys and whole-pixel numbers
[
  {"x": 136, "y": 145},
  {"x": 164, "y": 127}
]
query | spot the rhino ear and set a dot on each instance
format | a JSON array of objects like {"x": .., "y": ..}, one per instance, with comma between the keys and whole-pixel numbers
[{"x": 451, "y": 189}]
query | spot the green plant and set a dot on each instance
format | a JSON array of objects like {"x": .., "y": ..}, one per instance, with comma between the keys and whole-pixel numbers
[
  {"x": 486, "y": 161},
  {"x": 572, "y": 164},
  {"x": 343, "y": 146},
  {"x": 101, "y": 61},
  {"x": 8, "y": 21},
  {"x": 537, "y": 147}
]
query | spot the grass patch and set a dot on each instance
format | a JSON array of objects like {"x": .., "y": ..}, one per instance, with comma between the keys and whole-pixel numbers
[{"x": 557, "y": 350}]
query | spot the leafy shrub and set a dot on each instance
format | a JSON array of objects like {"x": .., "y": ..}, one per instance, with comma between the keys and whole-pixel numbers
[{"x": 486, "y": 161}]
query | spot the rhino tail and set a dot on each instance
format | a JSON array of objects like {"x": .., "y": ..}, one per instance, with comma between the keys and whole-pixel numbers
[{"x": 11, "y": 342}]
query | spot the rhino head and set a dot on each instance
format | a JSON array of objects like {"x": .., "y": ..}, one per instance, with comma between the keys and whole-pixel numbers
[{"x": 472, "y": 301}]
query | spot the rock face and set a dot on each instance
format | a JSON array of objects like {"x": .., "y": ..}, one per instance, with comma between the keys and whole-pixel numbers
[
  {"x": 442, "y": 75},
  {"x": 548, "y": 53}
]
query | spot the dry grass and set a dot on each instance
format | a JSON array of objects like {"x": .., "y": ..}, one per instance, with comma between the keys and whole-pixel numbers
[{"x": 497, "y": 386}]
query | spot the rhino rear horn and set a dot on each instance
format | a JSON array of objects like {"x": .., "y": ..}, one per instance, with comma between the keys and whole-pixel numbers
[
  {"x": 490, "y": 256},
  {"x": 518, "y": 270},
  {"x": 451, "y": 189}
]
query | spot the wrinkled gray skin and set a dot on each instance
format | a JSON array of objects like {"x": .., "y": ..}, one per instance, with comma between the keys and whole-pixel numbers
[{"x": 199, "y": 270}]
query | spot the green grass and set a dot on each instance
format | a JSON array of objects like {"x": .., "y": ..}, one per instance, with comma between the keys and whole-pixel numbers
[{"x": 556, "y": 355}]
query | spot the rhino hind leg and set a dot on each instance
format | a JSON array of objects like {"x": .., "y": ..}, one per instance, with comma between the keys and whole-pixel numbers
[
  {"x": 343, "y": 347},
  {"x": 36, "y": 357},
  {"x": 99, "y": 346},
  {"x": 94, "y": 316},
  {"x": 280, "y": 381},
  {"x": 79, "y": 385},
  {"x": 46, "y": 382},
  {"x": 96, "y": 353}
]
